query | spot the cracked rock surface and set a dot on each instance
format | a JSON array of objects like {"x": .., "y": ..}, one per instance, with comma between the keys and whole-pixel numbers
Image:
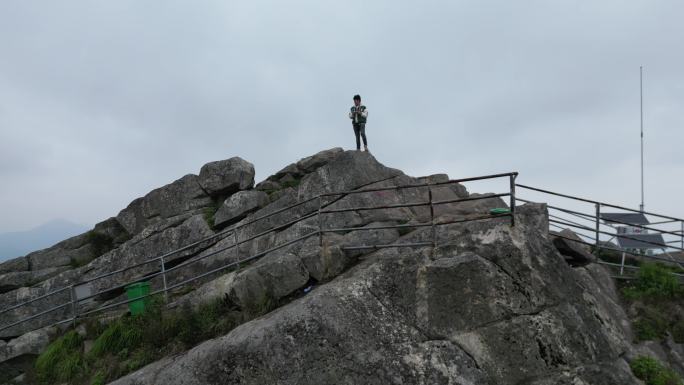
[{"x": 492, "y": 304}]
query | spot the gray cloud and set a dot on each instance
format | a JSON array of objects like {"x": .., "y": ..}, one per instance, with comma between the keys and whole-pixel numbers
[{"x": 101, "y": 102}]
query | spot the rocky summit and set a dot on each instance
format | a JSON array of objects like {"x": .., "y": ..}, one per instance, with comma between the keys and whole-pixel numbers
[{"x": 472, "y": 298}]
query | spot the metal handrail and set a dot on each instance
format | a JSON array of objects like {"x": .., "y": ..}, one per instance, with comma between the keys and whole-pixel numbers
[
  {"x": 161, "y": 257},
  {"x": 233, "y": 229},
  {"x": 675, "y": 219},
  {"x": 596, "y": 219},
  {"x": 620, "y": 235},
  {"x": 436, "y": 184},
  {"x": 618, "y": 250},
  {"x": 654, "y": 257},
  {"x": 596, "y": 229}
]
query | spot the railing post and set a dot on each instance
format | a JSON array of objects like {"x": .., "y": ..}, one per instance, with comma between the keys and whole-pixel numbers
[
  {"x": 432, "y": 218},
  {"x": 163, "y": 271},
  {"x": 74, "y": 304},
  {"x": 512, "y": 182},
  {"x": 236, "y": 250},
  {"x": 622, "y": 263},
  {"x": 598, "y": 223},
  {"x": 320, "y": 223}
]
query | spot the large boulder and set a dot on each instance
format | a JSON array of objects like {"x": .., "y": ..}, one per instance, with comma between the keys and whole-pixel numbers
[
  {"x": 238, "y": 205},
  {"x": 226, "y": 176},
  {"x": 326, "y": 262},
  {"x": 494, "y": 304},
  {"x": 271, "y": 279},
  {"x": 303, "y": 166},
  {"x": 368, "y": 236},
  {"x": 13, "y": 265},
  {"x": 110, "y": 230},
  {"x": 179, "y": 197},
  {"x": 311, "y": 163},
  {"x": 163, "y": 237},
  {"x": 146, "y": 246},
  {"x": 570, "y": 245},
  {"x": 75, "y": 250},
  {"x": 17, "y": 355},
  {"x": 347, "y": 171},
  {"x": 15, "y": 280}
]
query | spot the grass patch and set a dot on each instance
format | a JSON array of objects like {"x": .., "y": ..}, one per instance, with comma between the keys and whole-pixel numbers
[
  {"x": 98, "y": 378},
  {"x": 122, "y": 335},
  {"x": 131, "y": 342},
  {"x": 291, "y": 183},
  {"x": 655, "y": 302},
  {"x": 210, "y": 212},
  {"x": 654, "y": 280},
  {"x": 652, "y": 372},
  {"x": 61, "y": 361}
]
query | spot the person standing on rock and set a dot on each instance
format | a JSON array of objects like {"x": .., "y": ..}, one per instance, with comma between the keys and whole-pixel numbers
[{"x": 359, "y": 115}]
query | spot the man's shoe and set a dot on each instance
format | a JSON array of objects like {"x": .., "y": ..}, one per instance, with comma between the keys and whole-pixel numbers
[{"x": 365, "y": 148}]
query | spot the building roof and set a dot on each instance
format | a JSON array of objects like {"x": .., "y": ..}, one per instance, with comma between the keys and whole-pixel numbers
[
  {"x": 622, "y": 218},
  {"x": 641, "y": 241}
]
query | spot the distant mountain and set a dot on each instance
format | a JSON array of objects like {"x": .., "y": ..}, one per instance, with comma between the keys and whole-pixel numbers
[{"x": 16, "y": 244}]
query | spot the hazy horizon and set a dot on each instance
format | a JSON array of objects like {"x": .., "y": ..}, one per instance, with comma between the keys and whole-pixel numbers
[{"x": 19, "y": 243}]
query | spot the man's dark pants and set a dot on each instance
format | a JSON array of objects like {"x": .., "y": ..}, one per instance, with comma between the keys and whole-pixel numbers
[{"x": 360, "y": 130}]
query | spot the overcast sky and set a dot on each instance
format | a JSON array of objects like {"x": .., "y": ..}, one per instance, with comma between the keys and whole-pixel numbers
[{"x": 100, "y": 102}]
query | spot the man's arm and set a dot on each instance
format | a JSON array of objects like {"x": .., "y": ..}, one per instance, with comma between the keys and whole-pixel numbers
[{"x": 364, "y": 113}]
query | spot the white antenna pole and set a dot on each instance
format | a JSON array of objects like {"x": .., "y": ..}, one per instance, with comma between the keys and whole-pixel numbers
[{"x": 641, "y": 99}]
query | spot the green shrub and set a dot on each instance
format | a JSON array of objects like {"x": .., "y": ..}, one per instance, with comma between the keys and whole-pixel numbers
[
  {"x": 653, "y": 372},
  {"x": 647, "y": 329},
  {"x": 62, "y": 359},
  {"x": 655, "y": 281}
]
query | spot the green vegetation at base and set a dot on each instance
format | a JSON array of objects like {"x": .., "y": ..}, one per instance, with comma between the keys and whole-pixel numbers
[
  {"x": 652, "y": 372},
  {"x": 61, "y": 361},
  {"x": 654, "y": 281},
  {"x": 655, "y": 302},
  {"x": 131, "y": 342},
  {"x": 210, "y": 212}
]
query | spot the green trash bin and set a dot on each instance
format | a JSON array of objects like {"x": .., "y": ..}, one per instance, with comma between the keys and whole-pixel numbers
[{"x": 134, "y": 291}]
